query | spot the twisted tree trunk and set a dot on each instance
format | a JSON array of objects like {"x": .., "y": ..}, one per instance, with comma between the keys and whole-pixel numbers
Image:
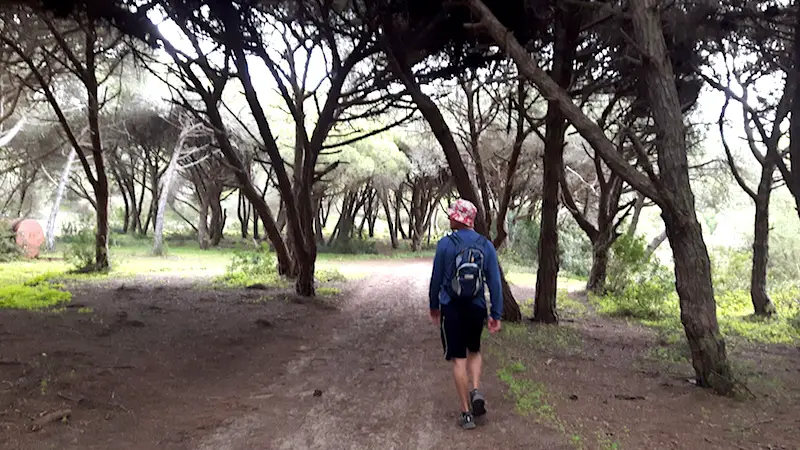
[
  {"x": 62, "y": 185},
  {"x": 567, "y": 30}
]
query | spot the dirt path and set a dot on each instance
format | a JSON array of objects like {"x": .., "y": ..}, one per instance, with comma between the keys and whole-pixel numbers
[
  {"x": 164, "y": 363},
  {"x": 383, "y": 383}
]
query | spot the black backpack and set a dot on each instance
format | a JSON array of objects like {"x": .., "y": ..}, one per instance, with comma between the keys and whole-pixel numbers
[{"x": 468, "y": 280}]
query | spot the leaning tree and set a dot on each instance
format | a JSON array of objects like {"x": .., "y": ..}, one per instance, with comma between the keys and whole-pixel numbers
[{"x": 669, "y": 187}]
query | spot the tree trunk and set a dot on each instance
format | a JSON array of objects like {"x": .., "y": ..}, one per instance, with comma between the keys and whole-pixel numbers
[
  {"x": 511, "y": 311},
  {"x": 62, "y": 185},
  {"x": 218, "y": 219},
  {"x": 390, "y": 222},
  {"x": 166, "y": 187},
  {"x": 202, "y": 227},
  {"x": 505, "y": 201},
  {"x": 318, "y": 223},
  {"x": 102, "y": 261},
  {"x": 256, "y": 231},
  {"x": 656, "y": 242},
  {"x": 762, "y": 304},
  {"x": 698, "y": 308},
  {"x": 304, "y": 285},
  {"x": 398, "y": 217},
  {"x": 126, "y": 220},
  {"x": 243, "y": 212},
  {"x": 141, "y": 229},
  {"x": 597, "y": 276},
  {"x": 155, "y": 194},
  {"x": 556, "y": 125},
  {"x": 637, "y": 214},
  {"x": 692, "y": 264},
  {"x": 794, "y": 125},
  {"x": 306, "y": 243}
]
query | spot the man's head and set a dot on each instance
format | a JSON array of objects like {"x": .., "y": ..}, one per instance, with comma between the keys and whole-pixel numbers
[{"x": 462, "y": 214}]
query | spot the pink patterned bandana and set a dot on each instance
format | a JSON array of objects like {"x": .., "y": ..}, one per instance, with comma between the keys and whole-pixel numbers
[{"x": 463, "y": 211}]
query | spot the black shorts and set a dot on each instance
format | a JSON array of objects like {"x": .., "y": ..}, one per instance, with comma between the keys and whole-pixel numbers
[{"x": 461, "y": 328}]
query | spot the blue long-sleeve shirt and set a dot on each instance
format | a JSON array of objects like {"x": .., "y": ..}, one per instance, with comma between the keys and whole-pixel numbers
[{"x": 444, "y": 269}]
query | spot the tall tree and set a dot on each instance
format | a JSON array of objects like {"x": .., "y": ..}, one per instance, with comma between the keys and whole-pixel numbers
[
  {"x": 567, "y": 28},
  {"x": 91, "y": 54}
]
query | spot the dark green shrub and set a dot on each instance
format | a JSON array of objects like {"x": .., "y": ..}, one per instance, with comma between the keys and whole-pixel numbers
[
  {"x": 638, "y": 286},
  {"x": 250, "y": 267},
  {"x": 80, "y": 252}
]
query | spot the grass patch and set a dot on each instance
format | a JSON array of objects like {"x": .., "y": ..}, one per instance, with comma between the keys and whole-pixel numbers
[
  {"x": 674, "y": 353},
  {"x": 529, "y": 397},
  {"x": 328, "y": 292},
  {"x": 734, "y": 310},
  {"x": 734, "y": 313},
  {"x": 545, "y": 338},
  {"x": 329, "y": 276},
  {"x": 528, "y": 279},
  {"x": 571, "y": 306},
  {"x": 565, "y": 303},
  {"x": 35, "y": 293}
]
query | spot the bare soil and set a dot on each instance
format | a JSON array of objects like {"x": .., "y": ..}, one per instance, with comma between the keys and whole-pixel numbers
[{"x": 170, "y": 363}]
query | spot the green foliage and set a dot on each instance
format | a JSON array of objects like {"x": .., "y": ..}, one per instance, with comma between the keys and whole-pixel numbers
[
  {"x": 569, "y": 305},
  {"x": 376, "y": 158},
  {"x": 35, "y": 294},
  {"x": 522, "y": 249},
  {"x": 730, "y": 269},
  {"x": 574, "y": 248},
  {"x": 250, "y": 267},
  {"x": 9, "y": 251},
  {"x": 784, "y": 242},
  {"x": 638, "y": 286},
  {"x": 80, "y": 252},
  {"x": 735, "y": 308}
]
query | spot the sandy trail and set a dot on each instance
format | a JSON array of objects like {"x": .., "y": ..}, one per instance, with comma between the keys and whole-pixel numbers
[{"x": 384, "y": 384}]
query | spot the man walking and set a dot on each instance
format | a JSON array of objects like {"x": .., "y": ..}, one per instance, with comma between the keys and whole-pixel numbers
[{"x": 465, "y": 263}]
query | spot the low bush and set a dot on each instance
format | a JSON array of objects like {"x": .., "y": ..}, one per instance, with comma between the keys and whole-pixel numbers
[
  {"x": 80, "y": 252},
  {"x": 638, "y": 286},
  {"x": 250, "y": 267}
]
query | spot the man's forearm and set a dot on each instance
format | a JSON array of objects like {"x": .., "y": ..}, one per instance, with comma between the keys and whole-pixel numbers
[{"x": 433, "y": 301}]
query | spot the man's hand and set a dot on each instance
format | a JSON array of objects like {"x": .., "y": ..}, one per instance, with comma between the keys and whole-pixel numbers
[
  {"x": 494, "y": 325},
  {"x": 435, "y": 316}
]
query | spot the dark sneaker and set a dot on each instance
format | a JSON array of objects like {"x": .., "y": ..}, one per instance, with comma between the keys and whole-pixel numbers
[
  {"x": 467, "y": 421},
  {"x": 478, "y": 403}
]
